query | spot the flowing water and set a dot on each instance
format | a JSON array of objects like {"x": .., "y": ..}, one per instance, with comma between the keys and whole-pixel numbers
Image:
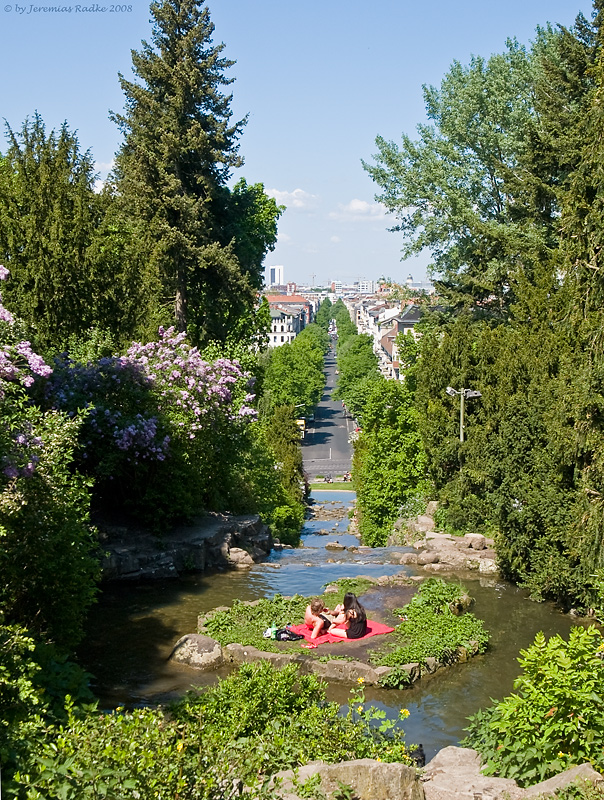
[{"x": 133, "y": 629}]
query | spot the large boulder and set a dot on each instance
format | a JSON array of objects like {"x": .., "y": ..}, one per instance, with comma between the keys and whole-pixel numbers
[
  {"x": 238, "y": 558},
  {"x": 347, "y": 671},
  {"x": 454, "y": 774},
  {"x": 574, "y": 775},
  {"x": 246, "y": 654},
  {"x": 197, "y": 651},
  {"x": 368, "y": 779},
  {"x": 428, "y": 557},
  {"x": 475, "y": 540}
]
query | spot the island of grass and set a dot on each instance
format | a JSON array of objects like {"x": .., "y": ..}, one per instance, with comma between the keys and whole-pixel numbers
[{"x": 432, "y": 631}]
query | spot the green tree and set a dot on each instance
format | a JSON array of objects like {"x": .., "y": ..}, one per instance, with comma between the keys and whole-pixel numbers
[
  {"x": 324, "y": 313},
  {"x": 48, "y": 217},
  {"x": 356, "y": 360},
  {"x": 581, "y": 241},
  {"x": 294, "y": 375},
  {"x": 389, "y": 463},
  {"x": 452, "y": 190},
  {"x": 344, "y": 324},
  {"x": 179, "y": 148},
  {"x": 252, "y": 226}
]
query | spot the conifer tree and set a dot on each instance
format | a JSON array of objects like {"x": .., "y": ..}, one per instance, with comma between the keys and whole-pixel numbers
[
  {"x": 48, "y": 217},
  {"x": 180, "y": 145}
]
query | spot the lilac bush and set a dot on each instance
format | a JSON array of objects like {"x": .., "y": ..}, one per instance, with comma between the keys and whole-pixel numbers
[
  {"x": 19, "y": 364},
  {"x": 120, "y": 418},
  {"x": 193, "y": 391},
  {"x": 160, "y": 423},
  {"x": 20, "y": 447},
  {"x": 48, "y": 572}
]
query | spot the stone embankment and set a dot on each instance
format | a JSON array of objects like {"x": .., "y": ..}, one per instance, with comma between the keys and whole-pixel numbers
[
  {"x": 440, "y": 552},
  {"x": 453, "y": 774},
  {"x": 204, "y": 653},
  {"x": 215, "y": 541}
]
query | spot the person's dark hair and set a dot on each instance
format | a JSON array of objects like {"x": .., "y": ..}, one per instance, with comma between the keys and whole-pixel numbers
[{"x": 351, "y": 603}]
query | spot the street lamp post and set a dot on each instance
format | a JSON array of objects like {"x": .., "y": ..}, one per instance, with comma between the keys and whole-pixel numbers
[{"x": 464, "y": 394}]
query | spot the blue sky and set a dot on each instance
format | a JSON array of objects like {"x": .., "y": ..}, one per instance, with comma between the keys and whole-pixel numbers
[{"x": 318, "y": 78}]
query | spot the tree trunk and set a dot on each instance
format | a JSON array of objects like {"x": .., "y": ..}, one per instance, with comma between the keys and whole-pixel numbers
[{"x": 180, "y": 304}]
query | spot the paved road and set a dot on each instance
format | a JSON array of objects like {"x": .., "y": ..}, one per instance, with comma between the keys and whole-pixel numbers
[{"x": 325, "y": 448}]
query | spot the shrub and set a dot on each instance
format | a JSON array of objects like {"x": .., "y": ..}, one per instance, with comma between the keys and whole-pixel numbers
[
  {"x": 555, "y": 719},
  {"x": 163, "y": 427},
  {"x": 252, "y": 724}
]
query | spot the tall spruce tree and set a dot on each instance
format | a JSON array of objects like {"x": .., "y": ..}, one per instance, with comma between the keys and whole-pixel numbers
[{"x": 179, "y": 148}]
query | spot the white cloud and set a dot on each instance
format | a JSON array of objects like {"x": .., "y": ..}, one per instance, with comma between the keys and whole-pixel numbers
[
  {"x": 335, "y": 239},
  {"x": 359, "y": 210},
  {"x": 283, "y": 238},
  {"x": 102, "y": 166},
  {"x": 103, "y": 169},
  {"x": 298, "y": 200}
]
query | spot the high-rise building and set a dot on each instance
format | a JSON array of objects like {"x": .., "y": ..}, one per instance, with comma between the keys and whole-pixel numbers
[{"x": 275, "y": 275}]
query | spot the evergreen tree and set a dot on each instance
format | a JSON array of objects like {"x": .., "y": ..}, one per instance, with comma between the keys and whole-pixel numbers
[
  {"x": 180, "y": 146},
  {"x": 48, "y": 217},
  {"x": 581, "y": 243}
]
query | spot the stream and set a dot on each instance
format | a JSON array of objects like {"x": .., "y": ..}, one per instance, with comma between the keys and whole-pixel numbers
[{"x": 133, "y": 628}]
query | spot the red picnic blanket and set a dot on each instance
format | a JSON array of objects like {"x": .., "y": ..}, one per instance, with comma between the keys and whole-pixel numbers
[{"x": 373, "y": 629}]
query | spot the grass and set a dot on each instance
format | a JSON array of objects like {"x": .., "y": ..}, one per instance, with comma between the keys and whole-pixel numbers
[
  {"x": 245, "y": 624},
  {"x": 428, "y": 628},
  {"x": 340, "y": 486}
]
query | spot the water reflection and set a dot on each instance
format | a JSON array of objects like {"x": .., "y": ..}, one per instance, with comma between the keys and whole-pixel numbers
[{"x": 133, "y": 628}]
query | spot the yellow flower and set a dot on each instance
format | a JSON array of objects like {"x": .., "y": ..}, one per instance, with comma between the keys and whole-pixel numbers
[
  {"x": 378, "y": 759},
  {"x": 561, "y": 754},
  {"x": 180, "y": 745},
  {"x": 404, "y": 713},
  {"x": 360, "y": 680},
  {"x": 360, "y": 709}
]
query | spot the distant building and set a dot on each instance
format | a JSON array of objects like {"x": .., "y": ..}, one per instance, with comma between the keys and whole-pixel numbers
[
  {"x": 289, "y": 315},
  {"x": 419, "y": 286},
  {"x": 275, "y": 276},
  {"x": 286, "y": 324}
]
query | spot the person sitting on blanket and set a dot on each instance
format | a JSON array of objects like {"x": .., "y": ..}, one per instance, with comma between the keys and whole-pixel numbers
[
  {"x": 355, "y": 618},
  {"x": 320, "y": 618}
]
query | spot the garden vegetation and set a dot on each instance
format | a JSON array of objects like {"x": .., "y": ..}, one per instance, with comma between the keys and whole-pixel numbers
[{"x": 134, "y": 380}]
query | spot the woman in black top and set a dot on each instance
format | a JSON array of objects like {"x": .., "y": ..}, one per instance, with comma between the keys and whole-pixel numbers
[{"x": 355, "y": 618}]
